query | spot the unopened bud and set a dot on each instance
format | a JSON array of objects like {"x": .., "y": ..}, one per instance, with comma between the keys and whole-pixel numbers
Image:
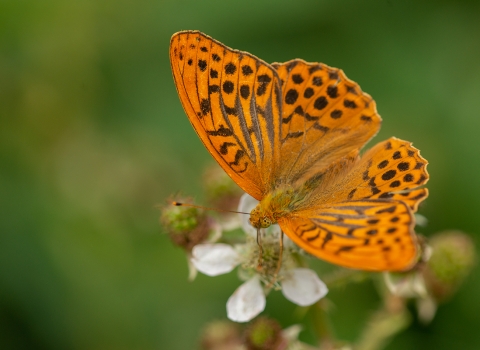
[
  {"x": 221, "y": 190},
  {"x": 221, "y": 335},
  {"x": 453, "y": 257},
  {"x": 186, "y": 226},
  {"x": 265, "y": 334}
]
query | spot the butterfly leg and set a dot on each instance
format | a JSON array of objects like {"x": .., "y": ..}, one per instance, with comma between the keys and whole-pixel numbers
[
  {"x": 260, "y": 254},
  {"x": 279, "y": 262}
]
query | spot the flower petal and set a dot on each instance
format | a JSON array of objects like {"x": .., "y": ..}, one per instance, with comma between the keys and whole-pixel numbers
[
  {"x": 246, "y": 205},
  {"x": 214, "y": 259},
  {"x": 406, "y": 285},
  {"x": 247, "y": 301},
  {"x": 303, "y": 287},
  {"x": 427, "y": 308}
]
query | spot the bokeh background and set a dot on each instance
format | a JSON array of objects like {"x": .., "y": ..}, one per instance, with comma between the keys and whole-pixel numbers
[{"x": 93, "y": 136}]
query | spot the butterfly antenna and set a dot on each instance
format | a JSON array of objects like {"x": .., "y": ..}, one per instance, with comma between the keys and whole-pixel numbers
[
  {"x": 179, "y": 204},
  {"x": 279, "y": 262},
  {"x": 260, "y": 255}
]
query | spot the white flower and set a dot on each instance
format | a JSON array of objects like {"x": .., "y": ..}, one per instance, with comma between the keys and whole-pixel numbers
[
  {"x": 214, "y": 259},
  {"x": 303, "y": 287},
  {"x": 247, "y": 301},
  {"x": 299, "y": 285}
]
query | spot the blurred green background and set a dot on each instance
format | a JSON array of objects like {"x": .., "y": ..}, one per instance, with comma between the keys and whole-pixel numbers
[{"x": 93, "y": 136}]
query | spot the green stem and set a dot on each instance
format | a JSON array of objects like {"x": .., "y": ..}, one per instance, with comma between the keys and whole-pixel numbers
[
  {"x": 322, "y": 325},
  {"x": 382, "y": 326}
]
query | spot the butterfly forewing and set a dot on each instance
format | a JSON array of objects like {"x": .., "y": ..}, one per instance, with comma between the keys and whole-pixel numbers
[
  {"x": 325, "y": 116},
  {"x": 232, "y": 101}
]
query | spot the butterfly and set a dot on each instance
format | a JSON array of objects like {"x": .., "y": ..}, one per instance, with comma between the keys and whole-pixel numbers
[{"x": 289, "y": 134}]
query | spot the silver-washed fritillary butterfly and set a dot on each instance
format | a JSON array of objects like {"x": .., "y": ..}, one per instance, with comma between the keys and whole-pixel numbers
[{"x": 289, "y": 134}]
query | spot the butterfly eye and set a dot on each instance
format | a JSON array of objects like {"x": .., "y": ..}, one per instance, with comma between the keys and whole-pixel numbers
[{"x": 266, "y": 222}]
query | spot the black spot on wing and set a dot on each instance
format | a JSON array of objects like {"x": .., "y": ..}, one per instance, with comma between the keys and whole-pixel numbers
[
  {"x": 320, "y": 127},
  {"x": 264, "y": 80},
  {"x": 320, "y": 103},
  {"x": 311, "y": 117},
  {"x": 349, "y": 104},
  {"x": 246, "y": 70},
  {"x": 297, "y": 78},
  {"x": 404, "y": 166},
  {"x": 332, "y": 91},
  {"x": 228, "y": 87},
  {"x": 352, "y": 192},
  {"x": 291, "y": 96},
  {"x": 317, "y": 81},
  {"x": 337, "y": 113},
  {"x": 231, "y": 110},
  {"x": 293, "y": 135},
  {"x": 239, "y": 155},
  {"x": 333, "y": 75},
  {"x": 213, "y": 88},
  {"x": 205, "y": 106},
  {"x": 382, "y": 164},
  {"x": 308, "y": 92},
  {"x": 387, "y": 210},
  {"x": 221, "y": 131},
  {"x": 245, "y": 91},
  {"x": 230, "y": 68},
  {"x": 388, "y": 175},
  {"x": 314, "y": 69},
  {"x": 202, "y": 64},
  {"x": 395, "y": 183},
  {"x": 224, "y": 147}
]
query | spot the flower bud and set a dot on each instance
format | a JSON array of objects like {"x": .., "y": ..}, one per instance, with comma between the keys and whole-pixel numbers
[
  {"x": 453, "y": 257},
  {"x": 221, "y": 335},
  {"x": 264, "y": 334},
  {"x": 221, "y": 190},
  {"x": 186, "y": 226}
]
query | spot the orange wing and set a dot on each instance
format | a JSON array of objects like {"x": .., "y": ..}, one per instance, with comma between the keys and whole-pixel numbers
[
  {"x": 375, "y": 235},
  {"x": 232, "y": 99},
  {"x": 325, "y": 116},
  {"x": 362, "y": 215}
]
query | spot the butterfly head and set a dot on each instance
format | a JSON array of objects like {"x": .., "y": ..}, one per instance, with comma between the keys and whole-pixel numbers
[{"x": 259, "y": 219}]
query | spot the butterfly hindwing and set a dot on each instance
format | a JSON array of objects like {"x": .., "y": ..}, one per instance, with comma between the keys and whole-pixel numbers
[
  {"x": 374, "y": 235},
  {"x": 391, "y": 169},
  {"x": 365, "y": 207},
  {"x": 232, "y": 100}
]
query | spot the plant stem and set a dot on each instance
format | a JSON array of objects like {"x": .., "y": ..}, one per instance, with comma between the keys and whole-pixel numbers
[
  {"x": 322, "y": 326},
  {"x": 381, "y": 327}
]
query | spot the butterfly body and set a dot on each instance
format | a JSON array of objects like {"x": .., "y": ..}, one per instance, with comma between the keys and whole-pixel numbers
[
  {"x": 290, "y": 135},
  {"x": 275, "y": 205}
]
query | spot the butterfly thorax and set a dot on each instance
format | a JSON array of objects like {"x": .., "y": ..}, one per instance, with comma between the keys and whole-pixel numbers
[{"x": 275, "y": 205}]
